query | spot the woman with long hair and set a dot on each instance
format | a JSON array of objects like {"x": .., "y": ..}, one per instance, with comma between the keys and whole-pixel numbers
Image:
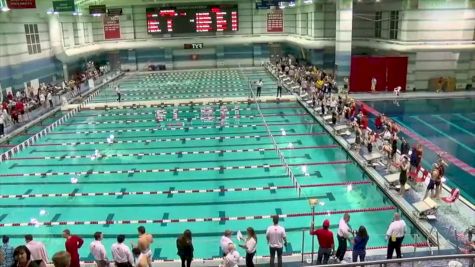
[
  {"x": 22, "y": 257},
  {"x": 185, "y": 248},
  {"x": 250, "y": 246},
  {"x": 359, "y": 244}
]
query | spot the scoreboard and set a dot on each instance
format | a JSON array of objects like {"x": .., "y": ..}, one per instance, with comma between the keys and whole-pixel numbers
[{"x": 190, "y": 19}]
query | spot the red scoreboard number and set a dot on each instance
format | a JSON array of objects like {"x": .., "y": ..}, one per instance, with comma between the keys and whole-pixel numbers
[{"x": 222, "y": 18}]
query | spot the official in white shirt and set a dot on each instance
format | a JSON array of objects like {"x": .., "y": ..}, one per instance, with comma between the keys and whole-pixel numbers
[
  {"x": 37, "y": 251},
  {"x": 98, "y": 250},
  {"x": 225, "y": 241},
  {"x": 342, "y": 236},
  {"x": 232, "y": 258},
  {"x": 395, "y": 235},
  {"x": 259, "y": 87},
  {"x": 276, "y": 238},
  {"x": 121, "y": 253},
  {"x": 119, "y": 94}
]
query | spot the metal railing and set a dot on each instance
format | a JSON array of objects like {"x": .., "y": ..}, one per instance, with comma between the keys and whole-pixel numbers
[{"x": 468, "y": 259}]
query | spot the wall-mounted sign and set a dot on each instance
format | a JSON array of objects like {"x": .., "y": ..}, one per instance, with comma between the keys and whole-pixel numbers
[
  {"x": 63, "y": 6},
  {"x": 21, "y": 4},
  {"x": 111, "y": 27},
  {"x": 275, "y": 21},
  {"x": 194, "y": 46},
  {"x": 97, "y": 9},
  {"x": 114, "y": 11}
]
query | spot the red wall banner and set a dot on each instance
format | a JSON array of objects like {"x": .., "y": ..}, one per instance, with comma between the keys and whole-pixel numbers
[
  {"x": 275, "y": 21},
  {"x": 111, "y": 27},
  {"x": 389, "y": 72},
  {"x": 21, "y": 4}
]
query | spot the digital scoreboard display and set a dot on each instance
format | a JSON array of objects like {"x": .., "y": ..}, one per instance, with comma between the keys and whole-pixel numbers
[{"x": 219, "y": 18}]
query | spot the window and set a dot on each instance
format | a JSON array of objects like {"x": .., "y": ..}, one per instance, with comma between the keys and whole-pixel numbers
[
  {"x": 378, "y": 22},
  {"x": 75, "y": 33},
  {"x": 86, "y": 33},
  {"x": 32, "y": 38},
  {"x": 393, "y": 25}
]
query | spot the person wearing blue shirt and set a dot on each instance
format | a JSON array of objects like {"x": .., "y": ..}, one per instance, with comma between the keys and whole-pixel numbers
[
  {"x": 359, "y": 244},
  {"x": 7, "y": 251}
]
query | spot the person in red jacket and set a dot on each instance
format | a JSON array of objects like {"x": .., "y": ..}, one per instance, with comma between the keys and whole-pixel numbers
[
  {"x": 20, "y": 109},
  {"x": 364, "y": 122},
  {"x": 73, "y": 244}
]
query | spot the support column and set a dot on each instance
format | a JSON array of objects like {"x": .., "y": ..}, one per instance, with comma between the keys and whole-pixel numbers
[
  {"x": 55, "y": 33},
  {"x": 344, "y": 27},
  {"x": 65, "y": 72}
]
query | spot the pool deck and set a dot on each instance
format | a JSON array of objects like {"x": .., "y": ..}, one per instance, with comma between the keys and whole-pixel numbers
[{"x": 451, "y": 219}]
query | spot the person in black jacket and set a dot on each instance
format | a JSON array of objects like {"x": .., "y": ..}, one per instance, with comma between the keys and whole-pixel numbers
[{"x": 185, "y": 248}]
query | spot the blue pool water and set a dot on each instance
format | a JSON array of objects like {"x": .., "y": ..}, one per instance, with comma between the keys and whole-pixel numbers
[{"x": 447, "y": 123}]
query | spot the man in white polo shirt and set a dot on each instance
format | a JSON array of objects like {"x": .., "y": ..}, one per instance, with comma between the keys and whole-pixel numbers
[
  {"x": 276, "y": 239},
  {"x": 342, "y": 236},
  {"x": 259, "y": 87},
  {"x": 395, "y": 235},
  {"x": 99, "y": 251}
]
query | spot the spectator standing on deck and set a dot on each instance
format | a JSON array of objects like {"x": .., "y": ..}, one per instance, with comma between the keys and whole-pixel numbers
[
  {"x": 395, "y": 235},
  {"x": 225, "y": 241},
  {"x": 37, "y": 251},
  {"x": 277, "y": 239},
  {"x": 73, "y": 244},
  {"x": 2, "y": 124},
  {"x": 117, "y": 91},
  {"x": 7, "y": 251},
  {"x": 325, "y": 242},
  {"x": 121, "y": 253},
  {"x": 359, "y": 244},
  {"x": 42, "y": 99},
  {"x": 185, "y": 248},
  {"x": 61, "y": 259},
  {"x": 343, "y": 236},
  {"x": 404, "y": 146},
  {"x": 98, "y": 250},
  {"x": 259, "y": 87},
  {"x": 373, "y": 84},
  {"x": 49, "y": 98},
  {"x": 250, "y": 246},
  {"x": 279, "y": 88}
]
